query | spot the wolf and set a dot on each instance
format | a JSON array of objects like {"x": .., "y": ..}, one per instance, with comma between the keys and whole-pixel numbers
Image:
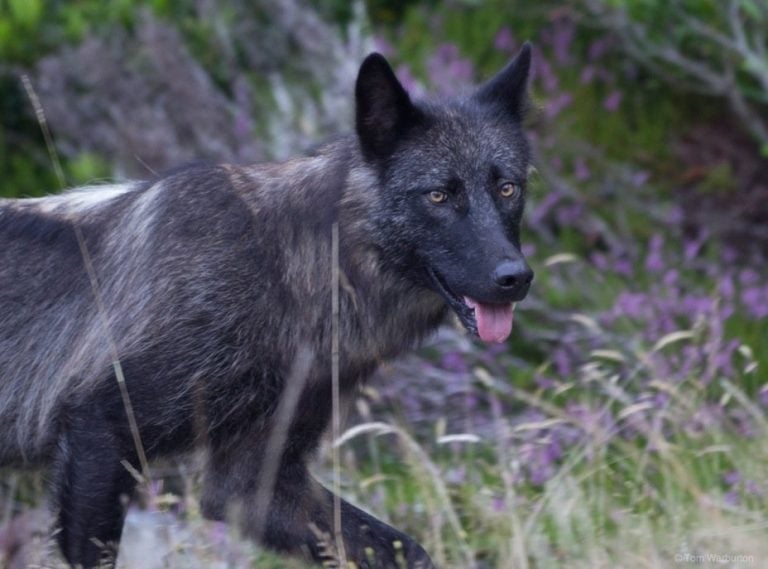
[{"x": 194, "y": 311}]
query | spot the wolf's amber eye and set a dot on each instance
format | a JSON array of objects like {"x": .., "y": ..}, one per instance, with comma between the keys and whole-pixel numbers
[
  {"x": 437, "y": 196},
  {"x": 508, "y": 189}
]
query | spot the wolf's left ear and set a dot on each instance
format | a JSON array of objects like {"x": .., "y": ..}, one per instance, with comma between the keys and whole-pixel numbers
[
  {"x": 509, "y": 87},
  {"x": 384, "y": 110}
]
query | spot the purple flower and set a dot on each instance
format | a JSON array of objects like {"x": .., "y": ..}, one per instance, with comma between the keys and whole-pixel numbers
[
  {"x": 529, "y": 249},
  {"x": 762, "y": 395},
  {"x": 695, "y": 305},
  {"x": 724, "y": 358},
  {"x": 587, "y": 74},
  {"x": 408, "y": 80},
  {"x": 726, "y": 286},
  {"x": 755, "y": 300},
  {"x": 631, "y": 304},
  {"x": 383, "y": 46},
  {"x": 654, "y": 262},
  {"x": 661, "y": 400},
  {"x": 604, "y": 75},
  {"x": 729, "y": 254},
  {"x": 692, "y": 248},
  {"x": 599, "y": 260},
  {"x": 555, "y": 106},
  {"x": 504, "y": 40},
  {"x": 580, "y": 169},
  {"x": 732, "y": 477},
  {"x": 732, "y": 498},
  {"x": 545, "y": 382},
  {"x": 218, "y": 533},
  {"x": 753, "y": 488},
  {"x": 454, "y": 361},
  {"x": 542, "y": 72},
  {"x": 598, "y": 48},
  {"x": 553, "y": 451},
  {"x": 567, "y": 216},
  {"x": 748, "y": 277},
  {"x": 539, "y": 462},
  {"x": 743, "y": 422},
  {"x": 623, "y": 267},
  {"x": 562, "y": 40},
  {"x": 546, "y": 205},
  {"x": 455, "y": 475},
  {"x": 675, "y": 215},
  {"x": 707, "y": 417},
  {"x": 587, "y": 418},
  {"x": 640, "y": 177},
  {"x": 448, "y": 71},
  {"x": 691, "y": 358},
  {"x": 495, "y": 350},
  {"x": 563, "y": 361},
  {"x": 611, "y": 102},
  {"x": 670, "y": 278}
]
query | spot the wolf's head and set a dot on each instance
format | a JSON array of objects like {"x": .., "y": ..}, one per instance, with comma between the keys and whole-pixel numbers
[{"x": 452, "y": 188}]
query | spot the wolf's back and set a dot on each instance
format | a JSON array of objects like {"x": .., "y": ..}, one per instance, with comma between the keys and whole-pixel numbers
[{"x": 173, "y": 264}]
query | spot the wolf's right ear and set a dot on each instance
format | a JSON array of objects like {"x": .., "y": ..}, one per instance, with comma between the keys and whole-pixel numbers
[
  {"x": 508, "y": 89},
  {"x": 384, "y": 110}
]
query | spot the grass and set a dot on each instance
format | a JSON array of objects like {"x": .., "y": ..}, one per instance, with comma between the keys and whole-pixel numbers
[
  {"x": 608, "y": 505},
  {"x": 610, "y": 502}
]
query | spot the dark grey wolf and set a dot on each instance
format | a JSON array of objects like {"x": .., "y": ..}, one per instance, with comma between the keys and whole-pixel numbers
[{"x": 208, "y": 284}]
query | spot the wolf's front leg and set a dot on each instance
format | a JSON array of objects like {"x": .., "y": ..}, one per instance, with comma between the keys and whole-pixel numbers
[
  {"x": 299, "y": 519},
  {"x": 372, "y": 543},
  {"x": 92, "y": 486}
]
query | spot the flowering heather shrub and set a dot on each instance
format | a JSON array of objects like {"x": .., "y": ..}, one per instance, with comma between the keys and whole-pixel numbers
[
  {"x": 147, "y": 102},
  {"x": 141, "y": 101}
]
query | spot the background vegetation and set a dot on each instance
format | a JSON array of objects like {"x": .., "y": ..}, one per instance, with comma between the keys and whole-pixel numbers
[{"x": 625, "y": 423}]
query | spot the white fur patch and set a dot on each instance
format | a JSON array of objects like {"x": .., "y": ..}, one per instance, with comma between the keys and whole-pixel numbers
[
  {"x": 78, "y": 200},
  {"x": 138, "y": 219}
]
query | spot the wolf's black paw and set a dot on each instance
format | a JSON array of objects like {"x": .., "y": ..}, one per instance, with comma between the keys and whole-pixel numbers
[{"x": 417, "y": 558}]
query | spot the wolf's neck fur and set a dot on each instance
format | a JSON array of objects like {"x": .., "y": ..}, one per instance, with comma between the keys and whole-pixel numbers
[{"x": 383, "y": 313}]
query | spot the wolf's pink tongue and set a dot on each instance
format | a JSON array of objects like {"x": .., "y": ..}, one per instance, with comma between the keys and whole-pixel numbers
[{"x": 494, "y": 321}]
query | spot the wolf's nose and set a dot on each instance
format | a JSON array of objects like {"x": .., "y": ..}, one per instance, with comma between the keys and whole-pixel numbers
[{"x": 513, "y": 274}]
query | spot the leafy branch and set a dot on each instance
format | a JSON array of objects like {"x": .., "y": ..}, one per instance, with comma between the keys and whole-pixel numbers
[{"x": 713, "y": 48}]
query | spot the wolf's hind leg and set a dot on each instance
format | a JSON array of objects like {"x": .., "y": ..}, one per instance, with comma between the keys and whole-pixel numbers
[{"x": 92, "y": 489}]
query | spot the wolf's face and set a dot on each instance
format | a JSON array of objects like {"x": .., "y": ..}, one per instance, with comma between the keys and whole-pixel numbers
[{"x": 453, "y": 177}]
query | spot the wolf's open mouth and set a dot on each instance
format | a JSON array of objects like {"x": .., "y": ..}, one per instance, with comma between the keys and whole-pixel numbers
[{"x": 492, "y": 322}]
